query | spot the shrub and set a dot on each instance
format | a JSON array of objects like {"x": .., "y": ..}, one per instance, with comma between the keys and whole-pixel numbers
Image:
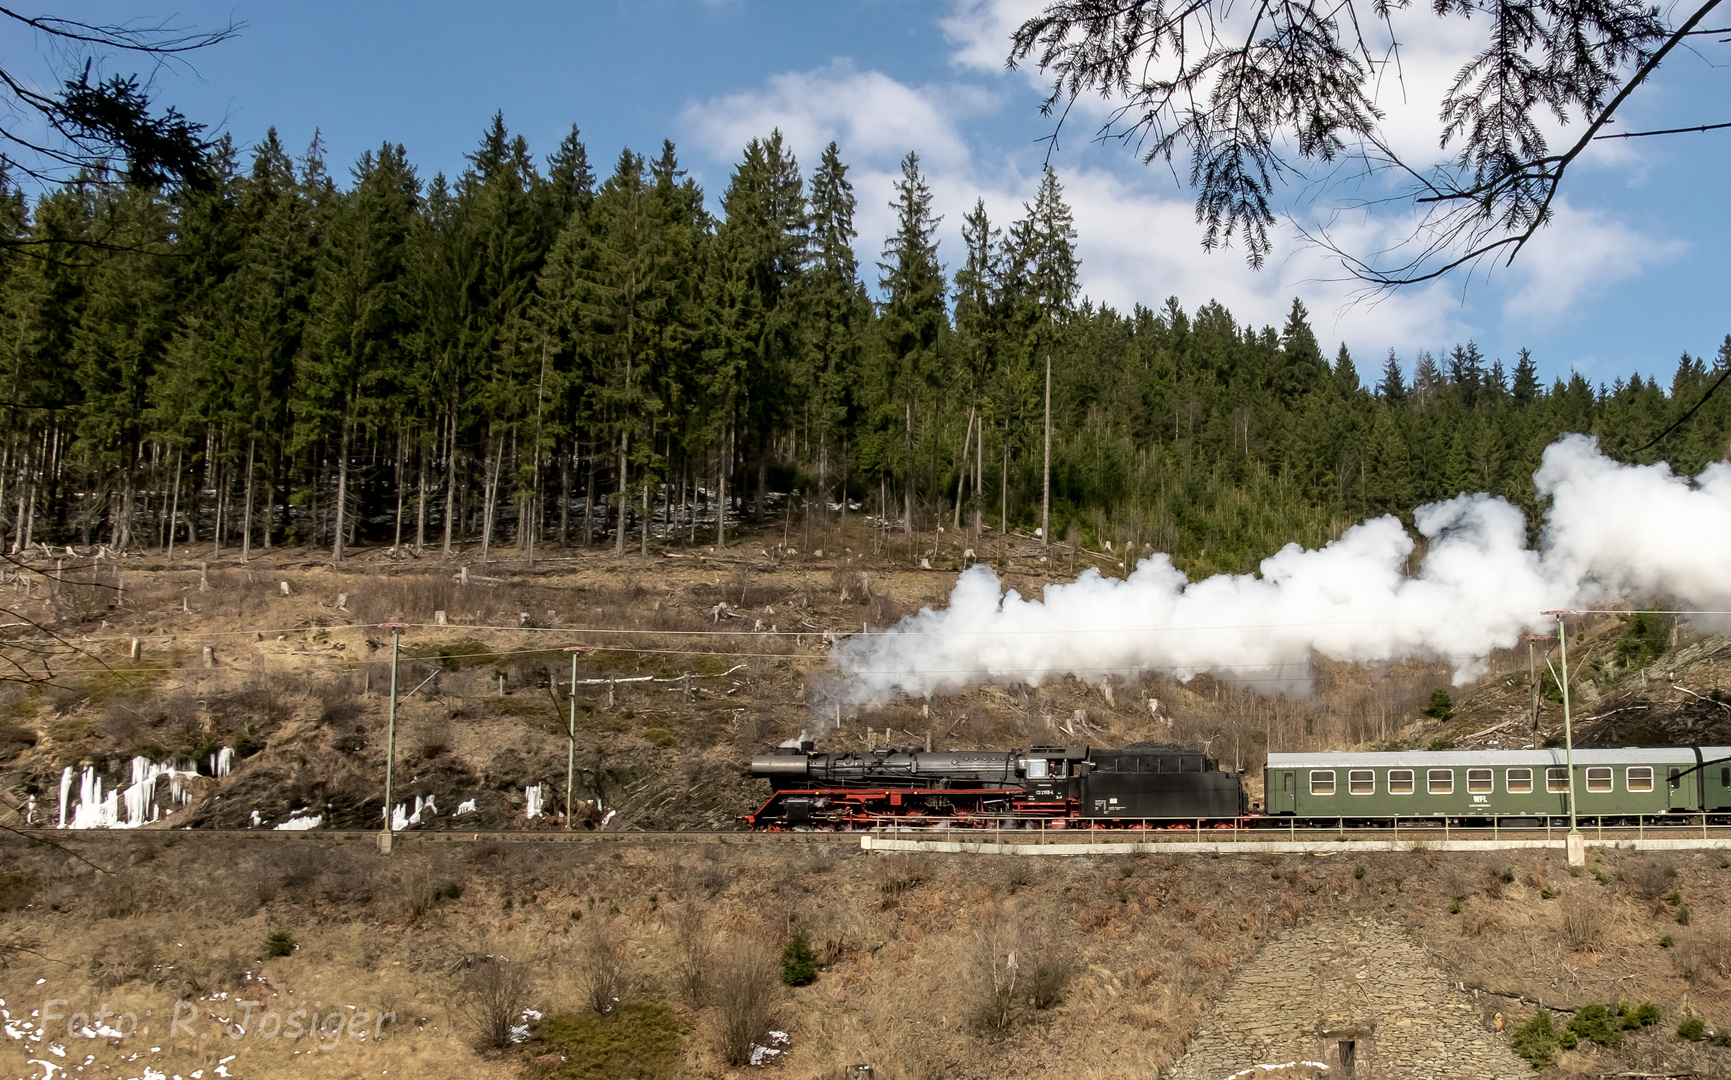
[
  {"x": 1582, "y": 922},
  {"x": 491, "y": 999},
  {"x": 1049, "y": 973},
  {"x": 1536, "y": 1040},
  {"x": 1440, "y": 706},
  {"x": 452, "y": 891},
  {"x": 1722, "y": 1037},
  {"x": 1643, "y": 1015},
  {"x": 421, "y": 894},
  {"x": 1666, "y": 942},
  {"x": 746, "y": 992},
  {"x": 659, "y": 737},
  {"x": 1358, "y": 872},
  {"x": 601, "y": 967},
  {"x": 279, "y": 943},
  {"x": 1651, "y": 880},
  {"x": 692, "y": 956},
  {"x": 1455, "y": 906},
  {"x": 1596, "y": 1024},
  {"x": 1682, "y": 914},
  {"x": 1440, "y": 744},
  {"x": 798, "y": 965},
  {"x": 1692, "y": 1029},
  {"x": 995, "y": 979},
  {"x": 1643, "y": 640}
]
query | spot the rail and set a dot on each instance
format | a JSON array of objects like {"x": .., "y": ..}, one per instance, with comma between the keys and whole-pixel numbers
[
  {"x": 1413, "y": 829},
  {"x": 1039, "y": 833}
]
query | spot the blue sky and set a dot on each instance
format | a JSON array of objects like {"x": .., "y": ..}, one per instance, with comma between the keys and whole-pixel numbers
[{"x": 1630, "y": 276}]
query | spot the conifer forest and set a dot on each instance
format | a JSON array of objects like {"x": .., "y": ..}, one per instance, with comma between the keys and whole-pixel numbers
[{"x": 539, "y": 354}]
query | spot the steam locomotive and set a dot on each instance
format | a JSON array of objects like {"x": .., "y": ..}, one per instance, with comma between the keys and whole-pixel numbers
[
  {"x": 1152, "y": 785},
  {"x": 1053, "y": 785}
]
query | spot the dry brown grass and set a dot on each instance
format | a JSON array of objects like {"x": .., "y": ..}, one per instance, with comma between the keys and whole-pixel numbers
[{"x": 898, "y": 990}]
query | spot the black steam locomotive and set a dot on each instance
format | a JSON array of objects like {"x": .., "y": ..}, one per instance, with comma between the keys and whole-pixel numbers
[{"x": 1053, "y": 785}]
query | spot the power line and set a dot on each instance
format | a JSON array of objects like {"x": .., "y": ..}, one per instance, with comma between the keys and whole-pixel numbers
[{"x": 893, "y": 631}]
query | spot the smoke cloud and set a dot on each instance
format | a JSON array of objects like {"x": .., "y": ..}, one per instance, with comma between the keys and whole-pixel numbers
[{"x": 1613, "y": 532}]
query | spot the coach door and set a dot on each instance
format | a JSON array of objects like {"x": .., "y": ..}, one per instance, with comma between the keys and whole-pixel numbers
[{"x": 1282, "y": 793}]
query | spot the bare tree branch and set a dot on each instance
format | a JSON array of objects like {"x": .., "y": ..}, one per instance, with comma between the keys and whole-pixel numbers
[{"x": 1232, "y": 88}]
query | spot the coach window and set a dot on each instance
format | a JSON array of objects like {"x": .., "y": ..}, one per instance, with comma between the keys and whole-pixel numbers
[
  {"x": 1556, "y": 781},
  {"x": 1400, "y": 781},
  {"x": 1519, "y": 781},
  {"x": 1599, "y": 778},
  {"x": 1322, "y": 781},
  {"x": 1638, "y": 778},
  {"x": 1361, "y": 782},
  {"x": 1481, "y": 781},
  {"x": 1440, "y": 781}
]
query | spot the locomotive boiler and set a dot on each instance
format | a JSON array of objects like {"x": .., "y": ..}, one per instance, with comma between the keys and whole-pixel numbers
[{"x": 1143, "y": 784}]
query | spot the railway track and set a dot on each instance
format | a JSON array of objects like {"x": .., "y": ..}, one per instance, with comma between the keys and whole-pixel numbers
[{"x": 1335, "y": 837}]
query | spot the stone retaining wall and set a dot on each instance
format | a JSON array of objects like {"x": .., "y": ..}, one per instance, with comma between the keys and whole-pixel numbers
[{"x": 1359, "y": 998}]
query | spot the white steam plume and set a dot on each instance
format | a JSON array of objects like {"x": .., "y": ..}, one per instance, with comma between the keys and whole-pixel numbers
[{"x": 1613, "y": 531}]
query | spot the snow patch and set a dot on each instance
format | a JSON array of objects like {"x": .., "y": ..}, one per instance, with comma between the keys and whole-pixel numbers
[{"x": 763, "y": 1055}]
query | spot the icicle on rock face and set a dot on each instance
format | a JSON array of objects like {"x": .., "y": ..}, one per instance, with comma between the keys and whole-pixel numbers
[
  {"x": 401, "y": 818},
  {"x": 534, "y": 796},
  {"x": 1612, "y": 532},
  {"x": 128, "y": 807}
]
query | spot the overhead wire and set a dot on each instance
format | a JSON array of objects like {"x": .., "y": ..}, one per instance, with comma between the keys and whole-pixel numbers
[{"x": 893, "y": 630}]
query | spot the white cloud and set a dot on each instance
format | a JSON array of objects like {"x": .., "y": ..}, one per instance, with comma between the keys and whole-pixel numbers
[
  {"x": 981, "y": 29},
  {"x": 1138, "y": 238},
  {"x": 1137, "y": 243},
  {"x": 1575, "y": 258},
  {"x": 872, "y": 116}
]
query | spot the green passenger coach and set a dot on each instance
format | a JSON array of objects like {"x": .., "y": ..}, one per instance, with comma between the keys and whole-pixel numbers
[{"x": 1490, "y": 785}]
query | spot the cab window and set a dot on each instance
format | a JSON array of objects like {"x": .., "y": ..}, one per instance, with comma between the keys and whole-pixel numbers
[
  {"x": 1518, "y": 781},
  {"x": 1322, "y": 781}
]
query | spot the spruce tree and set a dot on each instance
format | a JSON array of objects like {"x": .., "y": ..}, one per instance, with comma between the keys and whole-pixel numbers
[
  {"x": 913, "y": 310},
  {"x": 355, "y": 373},
  {"x": 837, "y": 312}
]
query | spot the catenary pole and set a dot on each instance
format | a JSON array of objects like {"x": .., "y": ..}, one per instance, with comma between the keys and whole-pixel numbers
[
  {"x": 396, "y": 629},
  {"x": 1576, "y": 845},
  {"x": 571, "y": 745}
]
